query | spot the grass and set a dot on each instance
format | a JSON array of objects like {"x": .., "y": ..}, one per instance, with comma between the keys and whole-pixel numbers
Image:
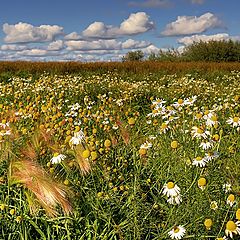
[{"x": 120, "y": 196}]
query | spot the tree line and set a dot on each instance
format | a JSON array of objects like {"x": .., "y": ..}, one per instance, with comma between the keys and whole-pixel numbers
[{"x": 212, "y": 51}]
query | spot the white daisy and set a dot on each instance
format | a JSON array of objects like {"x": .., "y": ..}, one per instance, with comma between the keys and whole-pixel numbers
[
  {"x": 199, "y": 132},
  {"x": 205, "y": 145},
  {"x": 212, "y": 121},
  {"x": 177, "y": 232},
  {"x": 170, "y": 189},
  {"x": 57, "y": 158},
  {"x": 211, "y": 155},
  {"x": 146, "y": 145},
  {"x": 234, "y": 121},
  {"x": 78, "y": 138},
  {"x": 227, "y": 187},
  {"x": 199, "y": 161},
  {"x": 175, "y": 199},
  {"x": 232, "y": 228}
]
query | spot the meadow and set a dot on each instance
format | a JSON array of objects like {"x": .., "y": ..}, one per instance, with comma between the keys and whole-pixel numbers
[{"x": 119, "y": 155}]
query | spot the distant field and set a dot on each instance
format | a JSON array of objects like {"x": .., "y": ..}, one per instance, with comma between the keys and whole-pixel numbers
[
  {"x": 119, "y": 150},
  {"x": 135, "y": 67}
]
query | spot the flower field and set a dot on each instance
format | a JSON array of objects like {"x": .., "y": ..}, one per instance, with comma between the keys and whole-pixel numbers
[{"x": 117, "y": 156}]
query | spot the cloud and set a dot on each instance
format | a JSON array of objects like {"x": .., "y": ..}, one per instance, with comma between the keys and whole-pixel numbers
[
  {"x": 27, "y": 33},
  {"x": 13, "y": 47},
  {"x": 105, "y": 44},
  {"x": 73, "y": 36},
  {"x": 151, "y": 4},
  {"x": 84, "y": 45},
  {"x": 56, "y": 45},
  {"x": 205, "y": 38},
  {"x": 150, "y": 49},
  {"x": 133, "y": 44},
  {"x": 135, "y": 24},
  {"x": 185, "y": 25}
]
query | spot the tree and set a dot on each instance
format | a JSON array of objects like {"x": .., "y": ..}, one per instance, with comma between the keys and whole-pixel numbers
[{"x": 133, "y": 56}]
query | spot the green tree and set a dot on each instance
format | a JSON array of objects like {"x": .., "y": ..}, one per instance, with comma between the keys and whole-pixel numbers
[{"x": 133, "y": 56}]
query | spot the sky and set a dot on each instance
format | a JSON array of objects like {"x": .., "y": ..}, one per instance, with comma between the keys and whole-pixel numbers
[{"x": 100, "y": 30}]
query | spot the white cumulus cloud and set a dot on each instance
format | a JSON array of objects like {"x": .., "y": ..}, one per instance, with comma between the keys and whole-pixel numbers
[
  {"x": 135, "y": 24},
  {"x": 73, "y": 36},
  {"x": 93, "y": 45},
  {"x": 56, "y": 45},
  {"x": 27, "y": 33},
  {"x": 13, "y": 47},
  {"x": 185, "y": 25},
  {"x": 205, "y": 38},
  {"x": 133, "y": 44}
]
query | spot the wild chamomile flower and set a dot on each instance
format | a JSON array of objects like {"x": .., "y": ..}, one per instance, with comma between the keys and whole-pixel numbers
[
  {"x": 57, "y": 158},
  {"x": 208, "y": 223},
  {"x": 164, "y": 127},
  {"x": 177, "y": 232},
  {"x": 146, "y": 145},
  {"x": 78, "y": 138},
  {"x": 207, "y": 144},
  {"x": 170, "y": 189},
  {"x": 227, "y": 187},
  {"x": 232, "y": 228},
  {"x": 234, "y": 121},
  {"x": 175, "y": 199},
  {"x": 199, "y": 132},
  {"x": 231, "y": 200},
  {"x": 211, "y": 155},
  {"x": 222, "y": 238},
  {"x": 212, "y": 120},
  {"x": 214, "y": 205},
  {"x": 202, "y": 182},
  {"x": 199, "y": 161}
]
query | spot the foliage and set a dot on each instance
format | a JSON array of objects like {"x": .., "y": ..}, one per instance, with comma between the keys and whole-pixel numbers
[
  {"x": 214, "y": 51},
  {"x": 133, "y": 56}
]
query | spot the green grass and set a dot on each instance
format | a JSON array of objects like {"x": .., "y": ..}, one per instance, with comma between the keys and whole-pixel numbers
[{"x": 121, "y": 197}]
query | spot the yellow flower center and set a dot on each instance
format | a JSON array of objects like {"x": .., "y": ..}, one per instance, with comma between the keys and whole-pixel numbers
[
  {"x": 231, "y": 226},
  {"x": 202, "y": 182},
  {"x": 164, "y": 126},
  {"x": 208, "y": 223},
  {"x": 55, "y": 154},
  {"x": 214, "y": 118},
  {"x": 198, "y": 158},
  {"x": 180, "y": 101},
  {"x": 174, "y": 144},
  {"x": 231, "y": 198},
  {"x": 238, "y": 214},
  {"x": 176, "y": 229},
  {"x": 170, "y": 185},
  {"x": 198, "y": 115},
  {"x": 199, "y": 131},
  {"x": 236, "y": 119}
]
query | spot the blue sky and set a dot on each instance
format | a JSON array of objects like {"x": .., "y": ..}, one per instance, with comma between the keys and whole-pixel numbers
[{"x": 105, "y": 30}]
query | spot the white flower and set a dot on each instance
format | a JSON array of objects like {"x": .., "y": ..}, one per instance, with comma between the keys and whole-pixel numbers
[
  {"x": 171, "y": 189},
  {"x": 175, "y": 199},
  {"x": 57, "y": 158},
  {"x": 211, "y": 155},
  {"x": 146, "y": 145},
  {"x": 234, "y": 121},
  {"x": 214, "y": 205},
  {"x": 212, "y": 121},
  {"x": 205, "y": 145},
  {"x": 227, "y": 187},
  {"x": 199, "y": 161},
  {"x": 78, "y": 138},
  {"x": 177, "y": 232},
  {"x": 199, "y": 132}
]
